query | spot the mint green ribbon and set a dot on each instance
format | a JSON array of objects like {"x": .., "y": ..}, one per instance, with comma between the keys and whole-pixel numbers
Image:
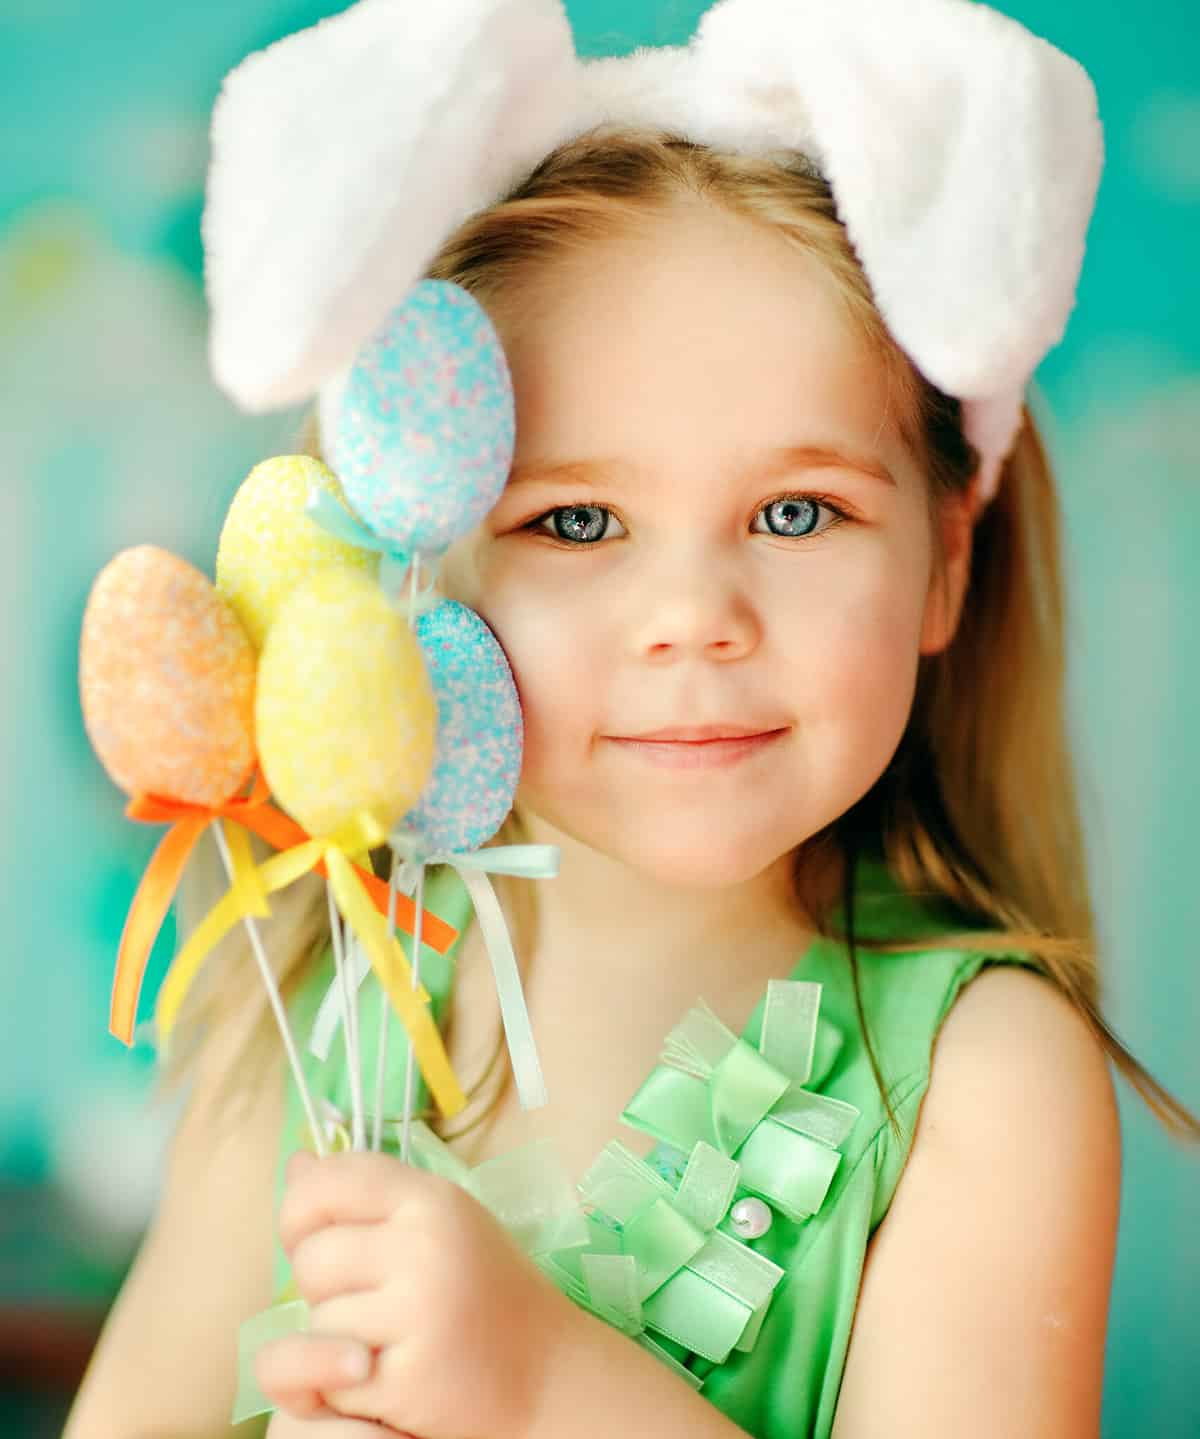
[
  {"x": 526, "y": 861},
  {"x": 528, "y": 1191},
  {"x": 753, "y": 1104},
  {"x": 324, "y": 510},
  {"x": 277, "y": 1322},
  {"x": 606, "y": 1289},
  {"x": 664, "y": 1265}
]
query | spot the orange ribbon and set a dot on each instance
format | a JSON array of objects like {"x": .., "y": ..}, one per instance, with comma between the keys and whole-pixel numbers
[{"x": 161, "y": 879}]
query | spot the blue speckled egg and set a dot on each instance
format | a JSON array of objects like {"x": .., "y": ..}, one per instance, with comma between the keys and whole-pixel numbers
[
  {"x": 480, "y": 733},
  {"x": 426, "y": 425}
]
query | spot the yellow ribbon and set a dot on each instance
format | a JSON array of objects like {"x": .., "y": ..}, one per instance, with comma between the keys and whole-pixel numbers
[
  {"x": 381, "y": 947},
  {"x": 247, "y": 897}
]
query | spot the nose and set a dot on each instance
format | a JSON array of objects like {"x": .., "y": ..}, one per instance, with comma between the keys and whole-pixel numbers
[{"x": 692, "y": 605}]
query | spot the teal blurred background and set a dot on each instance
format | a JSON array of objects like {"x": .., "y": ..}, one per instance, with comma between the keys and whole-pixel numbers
[{"x": 114, "y": 435}]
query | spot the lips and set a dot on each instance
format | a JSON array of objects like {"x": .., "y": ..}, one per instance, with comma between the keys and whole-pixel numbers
[
  {"x": 717, "y": 750},
  {"x": 701, "y": 734}
]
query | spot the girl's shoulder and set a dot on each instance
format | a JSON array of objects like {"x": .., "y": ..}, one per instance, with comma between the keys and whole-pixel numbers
[{"x": 890, "y": 1005}]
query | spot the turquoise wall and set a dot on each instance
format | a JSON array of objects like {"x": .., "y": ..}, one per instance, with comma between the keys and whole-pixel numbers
[{"x": 114, "y": 435}]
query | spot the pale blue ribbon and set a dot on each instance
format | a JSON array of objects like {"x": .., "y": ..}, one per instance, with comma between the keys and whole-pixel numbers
[
  {"x": 524, "y": 861},
  {"x": 324, "y": 510}
]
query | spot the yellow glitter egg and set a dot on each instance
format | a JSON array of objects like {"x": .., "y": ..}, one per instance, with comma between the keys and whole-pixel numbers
[
  {"x": 166, "y": 677},
  {"x": 269, "y": 544},
  {"x": 346, "y": 710}
]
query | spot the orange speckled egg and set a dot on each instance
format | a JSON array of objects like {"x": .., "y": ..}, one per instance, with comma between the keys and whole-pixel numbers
[{"x": 167, "y": 679}]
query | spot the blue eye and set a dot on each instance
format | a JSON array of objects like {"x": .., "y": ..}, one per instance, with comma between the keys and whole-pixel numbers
[
  {"x": 792, "y": 517},
  {"x": 577, "y": 524}
]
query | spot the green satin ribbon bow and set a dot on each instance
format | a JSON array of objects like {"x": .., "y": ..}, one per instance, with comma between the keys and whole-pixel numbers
[
  {"x": 323, "y": 509},
  {"x": 753, "y": 1104},
  {"x": 528, "y": 1191},
  {"x": 656, "y": 1259}
]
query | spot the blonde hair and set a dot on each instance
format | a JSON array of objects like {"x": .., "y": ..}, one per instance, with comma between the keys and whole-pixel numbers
[{"x": 977, "y": 811}]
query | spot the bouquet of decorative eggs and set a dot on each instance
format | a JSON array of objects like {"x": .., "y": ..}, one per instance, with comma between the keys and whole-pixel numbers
[{"x": 321, "y": 696}]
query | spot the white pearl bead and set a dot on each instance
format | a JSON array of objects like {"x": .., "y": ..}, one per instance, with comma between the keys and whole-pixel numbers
[{"x": 751, "y": 1218}]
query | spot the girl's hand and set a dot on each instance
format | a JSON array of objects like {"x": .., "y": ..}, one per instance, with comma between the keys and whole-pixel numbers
[{"x": 461, "y": 1327}]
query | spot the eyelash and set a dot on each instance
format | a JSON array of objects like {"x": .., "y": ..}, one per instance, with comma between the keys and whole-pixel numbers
[{"x": 841, "y": 516}]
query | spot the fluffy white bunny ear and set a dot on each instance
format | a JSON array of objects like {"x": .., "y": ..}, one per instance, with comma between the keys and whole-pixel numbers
[
  {"x": 965, "y": 156},
  {"x": 343, "y": 155}
]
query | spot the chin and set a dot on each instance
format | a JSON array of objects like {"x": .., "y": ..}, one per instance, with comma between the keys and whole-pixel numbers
[{"x": 699, "y": 862}]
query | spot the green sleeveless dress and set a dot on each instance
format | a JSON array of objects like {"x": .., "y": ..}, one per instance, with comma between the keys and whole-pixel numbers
[{"x": 781, "y": 1377}]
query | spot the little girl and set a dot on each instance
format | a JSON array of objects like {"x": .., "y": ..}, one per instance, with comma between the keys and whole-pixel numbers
[{"x": 791, "y": 668}]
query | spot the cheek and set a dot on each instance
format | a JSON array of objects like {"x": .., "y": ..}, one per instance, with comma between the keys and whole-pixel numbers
[
  {"x": 870, "y": 647},
  {"x": 555, "y": 656},
  {"x": 855, "y": 661}
]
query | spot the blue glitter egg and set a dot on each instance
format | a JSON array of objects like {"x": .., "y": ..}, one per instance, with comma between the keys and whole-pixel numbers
[
  {"x": 480, "y": 733},
  {"x": 426, "y": 425}
]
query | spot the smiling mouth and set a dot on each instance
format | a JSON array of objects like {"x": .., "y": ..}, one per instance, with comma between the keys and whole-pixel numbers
[
  {"x": 701, "y": 734},
  {"x": 710, "y": 753}
]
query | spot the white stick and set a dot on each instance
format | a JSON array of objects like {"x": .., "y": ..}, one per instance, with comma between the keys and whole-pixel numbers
[
  {"x": 419, "y": 899},
  {"x": 413, "y": 586},
  {"x": 381, "y": 1052},
  {"x": 276, "y": 999},
  {"x": 349, "y": 1028}
]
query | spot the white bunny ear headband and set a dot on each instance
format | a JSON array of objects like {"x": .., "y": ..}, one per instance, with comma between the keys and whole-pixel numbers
[{"x": 964, "y": 154}]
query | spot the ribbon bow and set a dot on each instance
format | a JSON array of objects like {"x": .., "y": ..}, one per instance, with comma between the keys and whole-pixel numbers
[
  {"x": 752, "y": 1104},
  {"x": 246, "y": 897},
  {"x": 331, "y": 853},
  {"x": 657, "y": 1259},
  {"x": 324, "y": 510},
  {"x": 527, "y": 1191}
]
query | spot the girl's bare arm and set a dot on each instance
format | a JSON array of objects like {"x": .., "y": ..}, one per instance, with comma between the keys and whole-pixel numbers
[
  {"x": 165, "y": 1366},
  {"x": 985, "y": 1294}
]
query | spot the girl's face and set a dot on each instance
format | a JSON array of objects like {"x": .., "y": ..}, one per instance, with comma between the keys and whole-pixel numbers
[{"x": 679, "y": 547}]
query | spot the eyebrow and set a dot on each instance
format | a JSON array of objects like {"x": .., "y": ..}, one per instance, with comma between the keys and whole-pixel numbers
[{"x": 768, "y": 466}]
